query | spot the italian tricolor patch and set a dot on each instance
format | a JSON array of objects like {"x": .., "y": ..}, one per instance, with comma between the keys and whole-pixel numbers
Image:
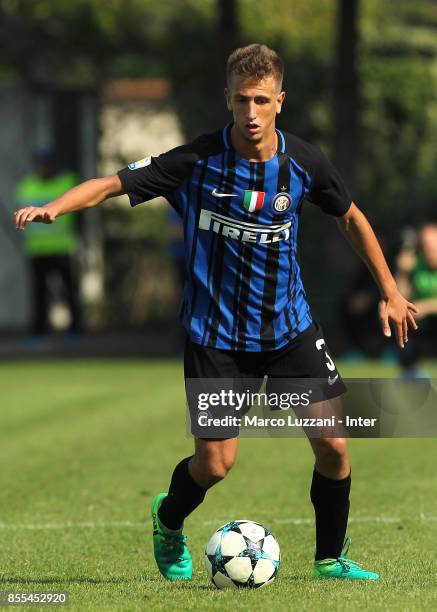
[{"x": 253, "y": 200}]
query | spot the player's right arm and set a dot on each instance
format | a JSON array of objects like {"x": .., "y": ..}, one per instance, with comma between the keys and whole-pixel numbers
[
  {"x": 87, "y": 194},
  {"x": 141, "y": 181}
]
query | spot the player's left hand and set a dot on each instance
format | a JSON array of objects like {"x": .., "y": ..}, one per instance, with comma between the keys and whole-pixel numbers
[{"x": 398, "y": 311}]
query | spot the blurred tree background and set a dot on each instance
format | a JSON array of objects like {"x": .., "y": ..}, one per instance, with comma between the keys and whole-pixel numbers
[{"x": 361, "y": 79}]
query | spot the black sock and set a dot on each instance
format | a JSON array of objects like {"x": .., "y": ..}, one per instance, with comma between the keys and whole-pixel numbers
[
  {"x": 184, "y": 495},
  {"x": 330, "y": 499}
]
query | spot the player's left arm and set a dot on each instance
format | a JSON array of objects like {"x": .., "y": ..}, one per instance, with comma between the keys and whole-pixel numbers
[{"x": 393, "y": 307}]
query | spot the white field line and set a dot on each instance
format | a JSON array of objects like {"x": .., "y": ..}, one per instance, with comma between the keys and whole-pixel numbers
[{"x": 421, "y": 518}]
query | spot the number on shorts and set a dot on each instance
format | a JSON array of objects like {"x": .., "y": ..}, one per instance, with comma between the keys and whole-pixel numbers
[{"x": 329, "y": 363}]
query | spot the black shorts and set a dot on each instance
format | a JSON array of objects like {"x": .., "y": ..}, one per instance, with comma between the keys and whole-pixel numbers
[{"x": 304, "y": 361}]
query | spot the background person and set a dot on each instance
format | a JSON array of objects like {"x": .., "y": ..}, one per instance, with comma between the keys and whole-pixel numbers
[
  {"x": 357, "y": 308},
  {"x": 50, "y": 250},
  {"x": 417, "y": 277}
]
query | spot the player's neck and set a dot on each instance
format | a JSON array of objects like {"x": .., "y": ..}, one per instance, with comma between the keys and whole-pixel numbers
[{"x": 255, "y": 151}]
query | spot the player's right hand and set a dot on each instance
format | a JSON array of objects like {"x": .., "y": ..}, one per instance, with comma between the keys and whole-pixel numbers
[{"x": 36, "y": 214}]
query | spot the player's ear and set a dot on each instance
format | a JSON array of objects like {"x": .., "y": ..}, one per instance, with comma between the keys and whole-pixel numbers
[
  {"x": 279, "y": 101},
  {"x": 228, "y": 98}
]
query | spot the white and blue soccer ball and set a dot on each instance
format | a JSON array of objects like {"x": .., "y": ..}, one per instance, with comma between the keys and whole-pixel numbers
[{"x": 242, "y": 554}]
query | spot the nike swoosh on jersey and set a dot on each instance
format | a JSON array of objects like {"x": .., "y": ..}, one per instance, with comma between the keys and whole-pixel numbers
[
  {"x": 215, "y": 193},
  {"x": 331, "y": 381}
]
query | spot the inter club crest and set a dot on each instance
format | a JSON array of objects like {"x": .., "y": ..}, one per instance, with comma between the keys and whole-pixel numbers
[{"x": 281, "y": 202}]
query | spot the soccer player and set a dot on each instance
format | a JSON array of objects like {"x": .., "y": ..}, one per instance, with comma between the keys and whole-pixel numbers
[{"x": 239, "y": 192}]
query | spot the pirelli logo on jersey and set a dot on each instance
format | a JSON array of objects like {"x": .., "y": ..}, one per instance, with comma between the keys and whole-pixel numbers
[{"x": 240, "y": 230}]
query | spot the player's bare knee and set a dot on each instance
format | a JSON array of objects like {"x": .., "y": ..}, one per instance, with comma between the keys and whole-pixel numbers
[
  {"x": 212, "y": 462},
  {"x": 332, "y": 451},
  {"x": 228, "y": 459},
  {"x": 220, "y": 465},
  {"x": 211, "y": 471},
  {"x": 217, "y": 471}
]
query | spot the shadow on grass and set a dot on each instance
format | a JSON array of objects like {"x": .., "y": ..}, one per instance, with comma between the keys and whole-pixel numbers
[
  {"x": 180, "y": 585},
  {"x": 62, "y": 580}
]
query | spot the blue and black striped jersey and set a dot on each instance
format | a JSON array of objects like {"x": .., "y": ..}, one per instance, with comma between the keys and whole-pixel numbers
[{"x": 243, "y": 289}]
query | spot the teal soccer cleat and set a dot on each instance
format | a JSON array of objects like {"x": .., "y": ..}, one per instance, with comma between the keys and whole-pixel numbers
[
  {"x": 342, "y": 568},
  {"x": 171, "y": 552}
]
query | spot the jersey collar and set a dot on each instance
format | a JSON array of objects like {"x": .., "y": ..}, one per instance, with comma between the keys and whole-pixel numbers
[{"x": 227, "y": 138}]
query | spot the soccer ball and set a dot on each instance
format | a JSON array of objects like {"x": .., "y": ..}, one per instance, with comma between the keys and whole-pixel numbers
[{"x": 242, "y": 554}]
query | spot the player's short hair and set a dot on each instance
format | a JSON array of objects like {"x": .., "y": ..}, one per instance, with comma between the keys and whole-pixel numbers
[{"x": 255, "y": 61}]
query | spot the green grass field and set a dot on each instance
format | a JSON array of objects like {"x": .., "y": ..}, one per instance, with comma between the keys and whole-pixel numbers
[{"x": 85, "y": 445}]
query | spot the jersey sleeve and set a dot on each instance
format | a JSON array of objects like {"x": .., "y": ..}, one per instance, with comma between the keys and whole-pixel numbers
[
  {"x": 151, "y": 177},
  {"x": 327, "y": 187}
]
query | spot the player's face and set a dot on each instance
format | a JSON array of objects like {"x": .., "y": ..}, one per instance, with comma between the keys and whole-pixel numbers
[{"x": 254, "y": 105}]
